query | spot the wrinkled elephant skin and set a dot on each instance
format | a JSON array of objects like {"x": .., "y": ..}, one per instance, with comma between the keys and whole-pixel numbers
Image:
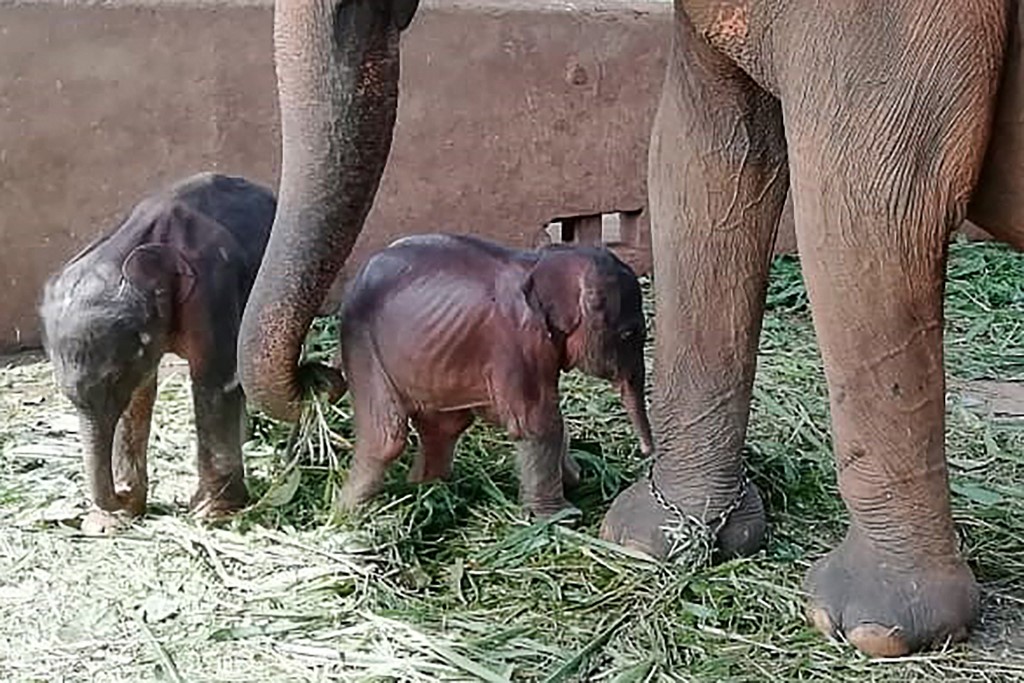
[
  {"x": 440, "y": 329},
  {"x": 883, "y": 144},
  {"x": 888, "y": 111},
  {"x": 173, "y": 277},
  {"x": 337, "y": 67}
]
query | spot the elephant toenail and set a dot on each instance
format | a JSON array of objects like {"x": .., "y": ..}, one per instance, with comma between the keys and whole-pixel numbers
[
  {"x": 876, "y": 640},
  {"x": 822, "y": 621}
]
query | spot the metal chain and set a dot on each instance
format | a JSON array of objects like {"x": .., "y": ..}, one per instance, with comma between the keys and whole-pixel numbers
[{"x": 691, "y": 539}]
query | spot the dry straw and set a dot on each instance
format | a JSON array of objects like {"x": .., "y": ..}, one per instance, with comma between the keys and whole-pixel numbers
[{"x": 447, "y": 582}]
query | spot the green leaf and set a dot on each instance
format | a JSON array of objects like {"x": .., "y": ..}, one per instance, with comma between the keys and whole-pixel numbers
[
  {"x": 282, "y": 493},
  {"x": 976, "y": 493},
  {"x": 570, "y": 667}
]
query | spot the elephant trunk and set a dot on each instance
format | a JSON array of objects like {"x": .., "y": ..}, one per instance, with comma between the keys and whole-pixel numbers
[
  {"x": 632, "y": 390},
  {"x": 98, "y": 441},
  {"x": 337, "y": 71}
]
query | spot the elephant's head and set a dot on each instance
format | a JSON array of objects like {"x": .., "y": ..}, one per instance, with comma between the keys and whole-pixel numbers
[
  {"x": 592, "y": 307},
  {"x": 337, "y": 70},
  {"x": 104, "y": 330}
]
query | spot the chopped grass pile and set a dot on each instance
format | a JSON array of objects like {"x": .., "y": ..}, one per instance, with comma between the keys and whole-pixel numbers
[{"x": 447, "y": 582}]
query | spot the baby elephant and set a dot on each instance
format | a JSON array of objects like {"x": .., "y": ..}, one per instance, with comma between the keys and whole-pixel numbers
[
  {"x": 173, "y": 277},
  {"x": 442, "y": 328}
]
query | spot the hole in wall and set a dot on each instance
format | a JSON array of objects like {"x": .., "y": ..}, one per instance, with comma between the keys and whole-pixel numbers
[{"x": 615, "y": 227}]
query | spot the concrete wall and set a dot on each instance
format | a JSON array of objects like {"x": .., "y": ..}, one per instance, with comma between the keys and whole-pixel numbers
[
  {"x": 513, "y": 114},
  {"x": 98, "y": 105}
]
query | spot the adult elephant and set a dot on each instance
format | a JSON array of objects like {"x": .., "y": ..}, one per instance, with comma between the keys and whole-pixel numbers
[{"x": 875, "y": 113}]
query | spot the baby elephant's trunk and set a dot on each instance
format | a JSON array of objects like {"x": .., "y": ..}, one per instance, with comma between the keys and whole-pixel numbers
[
  {"x": 97, "y": 440},
  {"x": 632, "y": 390}
]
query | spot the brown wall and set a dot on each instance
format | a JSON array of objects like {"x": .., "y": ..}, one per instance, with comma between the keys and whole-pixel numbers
[
  {"x": 100, "y": 105},
  {"x": 516, "y": 113},
  {"x": 513, "y": 113}
]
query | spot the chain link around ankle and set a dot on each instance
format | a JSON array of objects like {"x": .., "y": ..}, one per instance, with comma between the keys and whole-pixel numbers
[{"x": 690, "y": 540}]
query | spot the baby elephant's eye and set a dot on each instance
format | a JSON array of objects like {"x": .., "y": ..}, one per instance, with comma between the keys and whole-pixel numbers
[{"x": 626, "y": 335}]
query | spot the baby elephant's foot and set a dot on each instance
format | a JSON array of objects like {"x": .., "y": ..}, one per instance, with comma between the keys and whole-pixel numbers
[
  {"x": 543, "y": 510},
  {"x": 131, "y": 501},
  {"x": 887, "y": 611},
  {"x": 124, "y": 503},
  {"x": 357, "y": 490},
  {"x": 219, "y": 498},
  {"x": 637, "y": 521},
  {"x": 99, "y": 522}
]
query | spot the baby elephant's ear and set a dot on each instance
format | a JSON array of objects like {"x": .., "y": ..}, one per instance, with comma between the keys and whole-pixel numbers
[
  {"x": 553, "y": 292},
  {"x": 160, "y": 269}
]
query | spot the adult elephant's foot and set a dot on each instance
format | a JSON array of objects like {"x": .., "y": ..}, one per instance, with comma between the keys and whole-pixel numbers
[
  {"x": 890, "y": 611},
  {"x": 637, "y": 521}
]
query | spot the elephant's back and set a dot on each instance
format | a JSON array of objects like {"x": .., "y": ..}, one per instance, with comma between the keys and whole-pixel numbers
[
  {"x": 454, "y": 269},
  {"x": 243, "y": 208},
  {"x": 452, "y": 244},
  {"x": 437, "y": 311}
]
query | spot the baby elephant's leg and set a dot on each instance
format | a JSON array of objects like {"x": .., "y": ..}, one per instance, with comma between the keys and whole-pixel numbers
[
  {"x": 97, "y": 439},
  {"x": 381, "y": 429},
  {"x": 542, "y": 458},
  {"x": 380, "y": 439},
  {"x": 220, "y": 411},
  {"x": 381, "y": 423},
  {"x": 570, "y": 468},
  {"x": 439, "y": 432},
  {"x": 115, "y": 460},
  {"x": 131, "y": 480},
  {"x": 97, "y": 443}
]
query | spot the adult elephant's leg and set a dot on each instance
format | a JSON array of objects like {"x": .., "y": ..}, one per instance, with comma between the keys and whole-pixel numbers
[
  {"x": 718, "y": 179},
  {"x": 880, "y": 177}
]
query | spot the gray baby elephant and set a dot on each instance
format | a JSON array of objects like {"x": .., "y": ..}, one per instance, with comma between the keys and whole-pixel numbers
[{"x": 174, "y": 276}]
